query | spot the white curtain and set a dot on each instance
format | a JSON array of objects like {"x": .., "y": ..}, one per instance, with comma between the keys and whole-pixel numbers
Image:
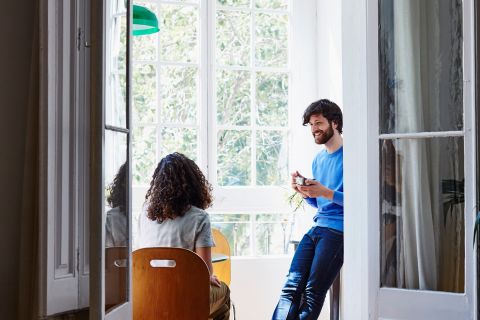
[{"x": 427, "y": 248}]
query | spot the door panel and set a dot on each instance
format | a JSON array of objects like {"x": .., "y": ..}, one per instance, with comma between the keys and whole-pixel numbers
[{"x": 425, "y": 160}]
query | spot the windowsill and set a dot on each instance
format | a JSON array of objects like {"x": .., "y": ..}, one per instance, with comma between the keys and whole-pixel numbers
[{"x": 271, "y": 257}]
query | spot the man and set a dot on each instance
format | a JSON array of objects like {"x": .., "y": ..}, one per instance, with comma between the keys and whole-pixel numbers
[{"x": 319, "y": 255}]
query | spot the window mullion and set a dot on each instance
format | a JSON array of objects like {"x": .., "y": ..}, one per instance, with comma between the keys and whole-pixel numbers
[
  {"x": 253, "y": 113},
  {"x": 159, "y": 103},
  {"x": 210, "y": 68},
  {"x": 204, "y": 89}
]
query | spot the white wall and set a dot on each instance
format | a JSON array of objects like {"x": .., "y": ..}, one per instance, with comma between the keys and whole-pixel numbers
[
  {"x": 256, "y": 286},
  {"x": 329, "y": 48}
]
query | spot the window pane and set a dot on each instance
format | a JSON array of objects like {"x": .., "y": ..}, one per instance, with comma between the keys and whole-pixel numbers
[
  {"x": 271, "y": 47},
  {"x": 145, "y": 47},
  {"x": 219, "y": 218},
  {"x": 183, "y": 140},
  {"x": 179, "y": 33},
  {"x": 234, "y": 158},
  {"x": 272, "y": 233},
  {"x": 272, "y": 4},
  {"x": 234, "y": 3},
  {"x": 179, "y": 95},
  {"x": 144, "y": 141},
  {"x": 120, "y": 46},
  {"x": 421, "y": 75},
  {"x": 233, "y": 97},
  {"x": 233, "y": 38},
  {"x": 144, "y": 93},
  {"x": 272, "y": 158},
  {"x": 236, "y": 228},
  {"x": 272, "y": 99},
  {"x": 116, "y": 106},
  {"x": 422, "y": 214},
  {"x": 116, "y": 223}
]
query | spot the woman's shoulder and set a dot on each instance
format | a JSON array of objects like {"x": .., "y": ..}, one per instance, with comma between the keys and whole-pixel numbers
[{"x": 198, "y": 214}]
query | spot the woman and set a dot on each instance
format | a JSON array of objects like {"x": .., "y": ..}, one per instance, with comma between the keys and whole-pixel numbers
[
  {"x": 174, "y": 216},
  {"x": 116, "y": 224}
]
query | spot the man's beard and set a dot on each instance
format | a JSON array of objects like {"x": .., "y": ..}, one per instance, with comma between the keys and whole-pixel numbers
[{"x": 325, "y": 136}]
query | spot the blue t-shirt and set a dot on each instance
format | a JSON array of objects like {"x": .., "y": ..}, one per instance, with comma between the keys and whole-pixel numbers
[{"x": 327, "y": 169}]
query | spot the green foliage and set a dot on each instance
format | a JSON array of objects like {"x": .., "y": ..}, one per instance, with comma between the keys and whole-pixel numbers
[
  {"x": 144, "y": 143},
  {"x": 233, "y": 158},
  {"x": 296, "y": 201},
  {"x": 272, "y": 158},
  {"x": 171, "y": 124},
  {"x": 272, "y": 4},
  {"x": 178, "y": 33},
  {"x": 271, "y": 48},
  {"x": 234, "y": 3},
  {"x": 183, "y": 140},
  {"x": 144, "y": 94},
  {"x": 272, "y": 99},
  {"x": 233, "y": 97},
  {"x": 233, "y": 38},
  {"x": 178, "y": 95}
]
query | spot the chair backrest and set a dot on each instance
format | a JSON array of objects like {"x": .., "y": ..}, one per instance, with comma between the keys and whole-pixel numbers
[
  {"x": 222, "y": 269},
  {"x": 170, "y": 284},
  {"x": 116, "y": 276}
]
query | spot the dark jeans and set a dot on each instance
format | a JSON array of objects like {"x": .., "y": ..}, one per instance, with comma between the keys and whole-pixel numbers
[{"x": 315, "y": 265}]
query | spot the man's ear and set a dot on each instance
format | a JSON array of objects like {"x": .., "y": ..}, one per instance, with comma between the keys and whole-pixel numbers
[{"x": 334, "y": 124}]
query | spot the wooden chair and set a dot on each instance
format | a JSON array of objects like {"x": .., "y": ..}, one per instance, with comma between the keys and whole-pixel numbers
[
  {"x": 116, "y": 276},
  {"x": 170, "y": 284},
  {"x": 223, "y": 269}
]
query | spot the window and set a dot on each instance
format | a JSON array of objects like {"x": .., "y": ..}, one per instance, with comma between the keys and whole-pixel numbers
[{"x": 215, "y": 84}]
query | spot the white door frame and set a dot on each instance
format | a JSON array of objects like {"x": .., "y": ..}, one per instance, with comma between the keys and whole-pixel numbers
[{"x": 362, "y": 296}]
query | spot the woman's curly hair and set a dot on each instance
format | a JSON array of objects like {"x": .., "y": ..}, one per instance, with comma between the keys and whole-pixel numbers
[
  {"x": 177, "y": 185},
  {"x": 117, "y": 193}
]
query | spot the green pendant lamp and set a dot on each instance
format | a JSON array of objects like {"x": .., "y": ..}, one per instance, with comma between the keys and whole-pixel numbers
[{"x": 144, "y": 21}]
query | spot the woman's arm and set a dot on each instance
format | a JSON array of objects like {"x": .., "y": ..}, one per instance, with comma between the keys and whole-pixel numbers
[{"x": 206, "y": 254}]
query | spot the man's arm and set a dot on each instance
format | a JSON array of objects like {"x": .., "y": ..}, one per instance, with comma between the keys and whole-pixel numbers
[{"x": 315, "y": 189}]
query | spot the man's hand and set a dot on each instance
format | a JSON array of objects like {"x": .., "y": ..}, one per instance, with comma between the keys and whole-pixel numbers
[
  {"x": 295, "y": 185},
  {"x": 315, "y": 189},
  {"x": 214, "y": 281}
]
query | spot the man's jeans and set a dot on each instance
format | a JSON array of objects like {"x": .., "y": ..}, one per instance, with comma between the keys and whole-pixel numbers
[{"x": 314, "y": 267}]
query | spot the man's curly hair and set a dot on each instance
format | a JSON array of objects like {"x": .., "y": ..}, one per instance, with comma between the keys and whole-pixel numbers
[
  {"x": 177, "y": 185},
  {"x": 330, "y": 110}
]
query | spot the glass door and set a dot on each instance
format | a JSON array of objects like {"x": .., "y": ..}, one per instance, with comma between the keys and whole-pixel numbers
[
  {"x": 110, "y": 292},
  {"x": 117, "y": 248},
  {"x": 426, "y": 167}
]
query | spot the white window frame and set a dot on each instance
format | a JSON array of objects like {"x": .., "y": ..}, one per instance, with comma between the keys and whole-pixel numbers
[
  {"x": 301, "y": 70},
  {"x": 363, "y": 297}
]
